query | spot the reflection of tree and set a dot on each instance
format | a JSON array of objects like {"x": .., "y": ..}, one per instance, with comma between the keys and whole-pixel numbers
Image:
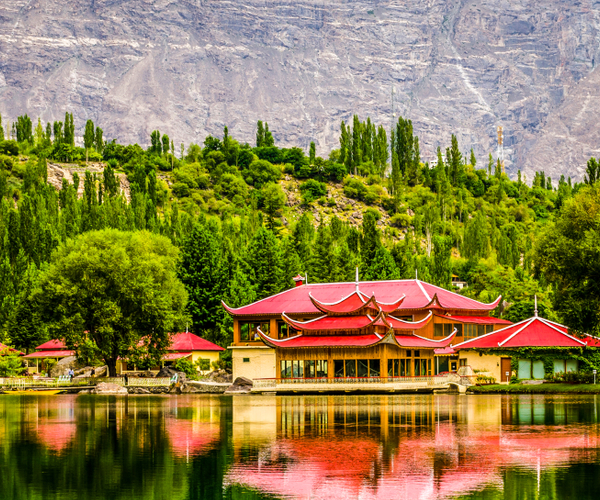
[{"x": 120, "y": 449}]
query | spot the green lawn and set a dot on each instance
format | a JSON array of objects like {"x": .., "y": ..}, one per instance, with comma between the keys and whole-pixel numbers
[{"x": 536, "y": 389}]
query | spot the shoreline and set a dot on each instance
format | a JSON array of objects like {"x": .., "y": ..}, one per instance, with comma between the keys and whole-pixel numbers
[{"x": 550, "y": 388}]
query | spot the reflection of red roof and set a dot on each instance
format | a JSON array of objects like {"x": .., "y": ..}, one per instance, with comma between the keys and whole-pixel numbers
[
  {"x": 52, "y": 345},
  {"x": 189, "y": 438},
  {"x": 187, "y": 341},
  {"x": 532, "y": 332},
  {"x": 171, "y": 356},
  {"x": 419, "y": 295},
  {"x": 479, "y": 320},
  {"x": 56, "y": 434},
  {"x": 51, "y": 354}
]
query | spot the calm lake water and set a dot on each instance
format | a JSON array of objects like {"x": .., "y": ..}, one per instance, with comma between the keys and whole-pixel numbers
[{"x": 304, "y": 447}]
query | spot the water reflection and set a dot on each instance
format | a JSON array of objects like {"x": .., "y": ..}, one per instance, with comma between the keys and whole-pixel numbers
[
  {"x": 418, "y": 447},
  {"x": 368, "y": 447}
]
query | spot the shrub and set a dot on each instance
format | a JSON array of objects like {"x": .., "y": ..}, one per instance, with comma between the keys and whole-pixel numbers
[
  {"x": 10, "y": 364},
  {"x": 311, "y": 190},
  {"x": 186, "y": 366},
  {"x": 6, "y": 162},
  {"x": 401, "y": 220},
  {"x": 484, "y": 379},
  {"x": 354, "y": 188},
  {"x": 203, "y": 364},
  {"x": 181, "y": 190},
  {"x": 10, "y": 148},
  {"x": 261, "y": 172}
]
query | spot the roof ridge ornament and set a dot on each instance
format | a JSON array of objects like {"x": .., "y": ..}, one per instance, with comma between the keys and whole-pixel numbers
[
  {"x": 535, "y": 310},
  {"x": 357, "y": 280}
]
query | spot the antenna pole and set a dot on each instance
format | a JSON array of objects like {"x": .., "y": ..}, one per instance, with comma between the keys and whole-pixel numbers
[{"x": 535, "y": 311}]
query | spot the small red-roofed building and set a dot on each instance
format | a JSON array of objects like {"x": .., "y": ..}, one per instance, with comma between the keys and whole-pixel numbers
[
  {"x": 53, "y": 349},
  {"x": 360, "y": 330},
  {"x": 4, "y": 349},
  {"x": 496, "y": 353},
  {"x": 184, "y": 345}
]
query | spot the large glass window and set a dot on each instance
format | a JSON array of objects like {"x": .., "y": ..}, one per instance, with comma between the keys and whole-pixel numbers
[
  {"x": 338, "y": 367},
  {"x": 438, "y": 330},
  {"x": 297, "y": 369},
  {"x": 404, "y": 367},
  {"x": 286, "y": 369},
  {"x": 363, "y": 368},
  {"x": 417, "y": 367},
  {"x": 309, "y": 369},
  {"x": 374, "y": 368},
  {"x": 459, "y": 329},
  {"x": 350, "y": 368},
  {"x": 282, "y": 330},
  {"x": 321, "y": 368},
  {"x": 248, "y": 331}
]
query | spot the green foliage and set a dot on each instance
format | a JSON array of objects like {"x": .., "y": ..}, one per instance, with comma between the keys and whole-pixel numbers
[
  {"x": 118, "y": 289},
  {"x": 311, "y": 190},
  {"x": 186, "y": 366},
  {"x": 11, "y": 364}
]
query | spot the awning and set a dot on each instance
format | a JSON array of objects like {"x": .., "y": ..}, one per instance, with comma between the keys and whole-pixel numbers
[
  {"x": 172, "y": 356},
  {"x": 50, "y": 354},
  {"x": 446, "y": 351}
]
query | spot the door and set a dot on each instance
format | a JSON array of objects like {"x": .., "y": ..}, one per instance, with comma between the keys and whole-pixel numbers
[{"x": 504, "y": 369}]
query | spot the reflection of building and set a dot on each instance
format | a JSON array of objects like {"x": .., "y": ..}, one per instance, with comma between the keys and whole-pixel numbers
[
  {"x": 400, "y": 447},
  {"x": 497, "y": 353},
  {"x": 355, "y": 330}
]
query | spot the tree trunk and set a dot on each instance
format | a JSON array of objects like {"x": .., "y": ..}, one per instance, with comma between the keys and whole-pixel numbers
[{"x": 112, "y": 367}]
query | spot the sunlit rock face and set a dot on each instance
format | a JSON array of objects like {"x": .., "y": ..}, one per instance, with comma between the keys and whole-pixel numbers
[{"x": 191, "y": 67}]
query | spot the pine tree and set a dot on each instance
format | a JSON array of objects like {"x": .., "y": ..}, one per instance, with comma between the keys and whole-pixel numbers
[
  {"x": 290, "y": 264},
  {"x": 302, "y": 238},
  {"x": 370, "y": 241},
  {"x": 442, "y": 270},
  {"x": 264, "y": 257},
  {"x": 269, "y": 141},
  {"x": 260, "y": 134},
  {"x": 322, "y": 256},
  {"x": 382, "y": 266}
]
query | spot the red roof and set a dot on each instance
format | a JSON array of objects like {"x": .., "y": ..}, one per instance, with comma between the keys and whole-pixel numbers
[
  {"x": 532, "y": 332},
  {"x": 414, "y": 341},
  {"x": 57, "y": 353},
  {"x": 187, "y": 341},
  {"x": 52, "y": 345},
  {"x": 480, "y": 320},
  {"x": 332, "y": 323},
  {"x": 325, "y": 341},
  {"x": 419, "y": 295},
  {"x": 171, "y": 356},
  {"x": 400, "y": 324}
]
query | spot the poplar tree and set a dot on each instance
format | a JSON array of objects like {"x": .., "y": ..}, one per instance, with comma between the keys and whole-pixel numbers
[
  {"x": 1, "y": 130},
  {"x": 99, "y": 141},
  {"x": 312, "y": 154},
  {"x": 260, "y": 134},
  {"x": 343, "y": 143},
  {"x": 269, "y": 141}
]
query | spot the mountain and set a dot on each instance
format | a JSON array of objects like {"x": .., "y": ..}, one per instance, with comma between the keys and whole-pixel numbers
[{"x": 190, "y": 67}]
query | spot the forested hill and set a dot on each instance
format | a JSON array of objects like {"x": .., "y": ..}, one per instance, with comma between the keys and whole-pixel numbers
[{"x": 247, "y": 218}]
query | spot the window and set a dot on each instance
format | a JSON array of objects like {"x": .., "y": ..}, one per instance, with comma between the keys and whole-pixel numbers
[
  {"x": 417, "y": 354},
  {"x": 246, "y": 360},
  {"x": 470, "y": 331},
  {"x": 283, "y": 330},
  {"x": 309, "y": 369},
  {"x": 338, "y": 367},
  {"x": 374, "y": 365},
  {"x": 417, "y": 367},
  {"x": 286, "y": 369},
  {"x": 248, "y": 330},
  {"x": 404, "y": 368},
  {"x": 438, "y": 330},
  {"x": 350, "y": 368},
  {"x": 297, "y": 369},
  {"x": 444, "y": 329},
  {"x": 459, "y": 329},
  {"x": 408, "y": 353},
  {"x": 462, "y": 362},
  {"x": 363, "y": 368},
  {"x": 321, "y": 368}
]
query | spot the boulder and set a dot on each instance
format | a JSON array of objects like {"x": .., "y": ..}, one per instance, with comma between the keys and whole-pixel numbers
[
  {"x": 138, "y": 390},
  {"x": 107, "y": 388},
  {"x": 169, "y": 372},
  {"x": 241, "y": 385},
  {"x": 63, "y": 366},
  {"x": 220, "y": 376}
]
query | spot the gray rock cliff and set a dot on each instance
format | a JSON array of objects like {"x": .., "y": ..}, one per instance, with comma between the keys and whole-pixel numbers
[{"x": 190, "y": 67}]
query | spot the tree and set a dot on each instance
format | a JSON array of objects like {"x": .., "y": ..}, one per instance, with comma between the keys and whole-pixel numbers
[
  {"x": 1, "y": 130},
  {"x": 156, "y": 145},
  {"x": 99, "y": 141},
  {"x": 442, "y": 270},
  {"x": 568, "y": 255},
  {"x": 312, "y": 153},
  {"x": 165, "y": 143},
  {"x": 89, "y": 136},
  {"x": 592, "y": 171},
  {"x": 260, "y": 134},
  {"x": 116, "y": 290},
  {"x": 274, "y": 201},
  {"x": 264, "y": 258}
]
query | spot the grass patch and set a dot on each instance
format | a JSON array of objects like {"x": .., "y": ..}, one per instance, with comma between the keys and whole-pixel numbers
[{"x": 536, "y": 389}]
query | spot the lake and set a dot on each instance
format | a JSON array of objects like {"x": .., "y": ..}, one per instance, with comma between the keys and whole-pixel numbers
[{"x": 299, "y": 447}]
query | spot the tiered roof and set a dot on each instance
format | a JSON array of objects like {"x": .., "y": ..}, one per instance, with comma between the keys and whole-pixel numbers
[
  {"x": 392, "y": 296},
  {"x": 52, "y": 349}
]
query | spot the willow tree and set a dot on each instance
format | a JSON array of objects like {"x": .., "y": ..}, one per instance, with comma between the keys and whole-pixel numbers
[{"x": 113, "y": 292}]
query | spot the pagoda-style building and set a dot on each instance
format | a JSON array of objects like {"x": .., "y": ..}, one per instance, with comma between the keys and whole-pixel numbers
[{"x": 361, "y": 330}]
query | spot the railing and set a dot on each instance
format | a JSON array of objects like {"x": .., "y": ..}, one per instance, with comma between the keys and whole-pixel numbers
[
  {"x": 429, "y": 380},
  {"x": 149, "y": 382}
]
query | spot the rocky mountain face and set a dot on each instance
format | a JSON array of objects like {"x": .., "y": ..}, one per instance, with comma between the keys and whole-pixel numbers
[{"x": 190, "y": 67}]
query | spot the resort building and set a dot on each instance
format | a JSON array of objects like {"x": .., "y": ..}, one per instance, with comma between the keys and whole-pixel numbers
[
  {"x": 184, "y": 345},
  {"x": 335, "y": 331},
  {"x": 52, "y": 350},
  {"x": 499, "y": 353}
]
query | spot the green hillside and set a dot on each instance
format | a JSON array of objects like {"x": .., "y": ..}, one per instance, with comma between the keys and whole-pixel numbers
[{"x": 247, "y": 218}]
